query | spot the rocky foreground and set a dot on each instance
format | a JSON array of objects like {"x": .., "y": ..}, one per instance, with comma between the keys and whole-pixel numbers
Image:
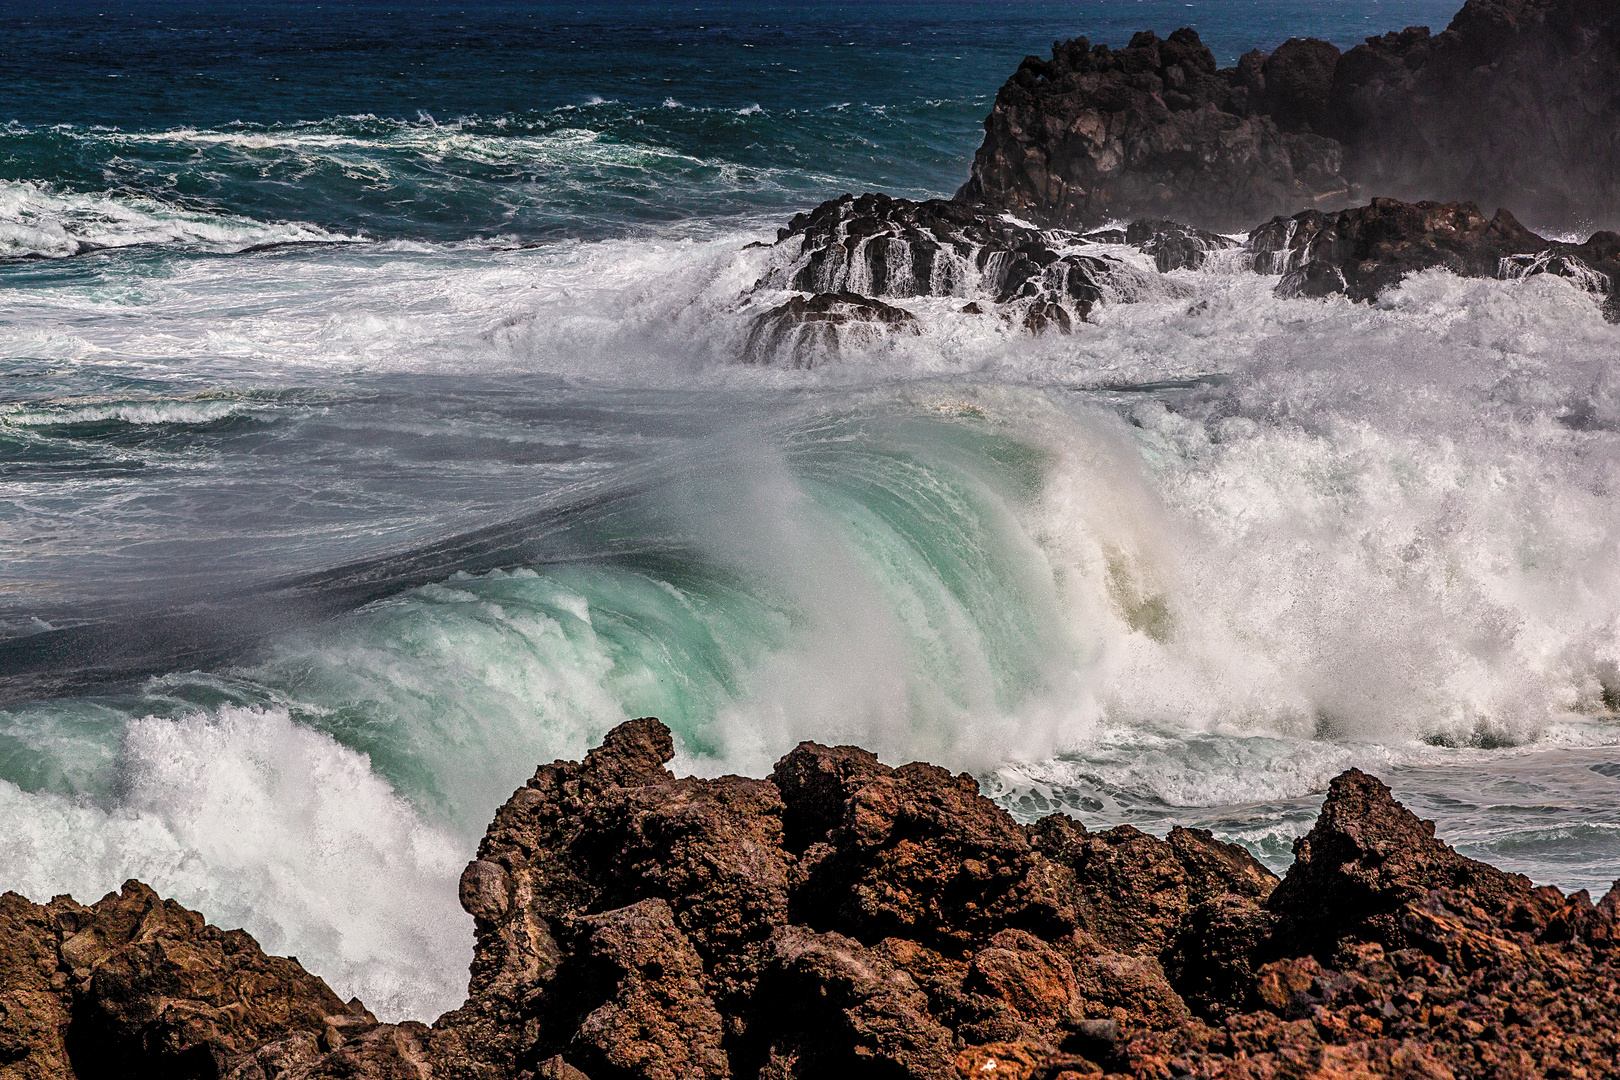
[{"x": 845, "y": 919}]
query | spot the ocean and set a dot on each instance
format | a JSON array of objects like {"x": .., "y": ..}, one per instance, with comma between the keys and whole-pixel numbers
[{"x": 374, "y": 426}]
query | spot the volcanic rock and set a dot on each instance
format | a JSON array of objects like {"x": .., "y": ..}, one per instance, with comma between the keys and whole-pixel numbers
[
  {"x": 1364, "y": 250},
  {"x": 1513, "y": 104},
  {"x": 806, "y": 330},
  {"x": 852, "y": 249},
  {"x": 137, "y": 986},
  {"x": 1150, "y": 130},
  {"x": 1175, "y": 246},
  {"x": 848, "y": 918}
]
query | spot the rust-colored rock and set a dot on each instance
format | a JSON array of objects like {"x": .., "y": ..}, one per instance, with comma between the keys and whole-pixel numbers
[
  {"x": 138, "y": 986},
  {"x": 845, "y": 918}
]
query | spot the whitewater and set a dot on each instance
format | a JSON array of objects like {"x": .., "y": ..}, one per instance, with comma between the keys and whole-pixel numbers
[{"x": 354, "y": 466}]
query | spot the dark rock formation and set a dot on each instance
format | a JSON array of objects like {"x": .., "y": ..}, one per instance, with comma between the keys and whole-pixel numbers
[
  {"x": 898, "y": 248},
  {"x": 844, "y": 918},
  {"x": 1367, "y": 249},
  {"x": 1514, "y": 104},
  {"x": 804, "y": 330},
  {"x": 848, "y": 252},
  {"x": 1175, "y": 246},
  {"x": 853, "y": 254},
  {"x": 1151, "y": 130}
]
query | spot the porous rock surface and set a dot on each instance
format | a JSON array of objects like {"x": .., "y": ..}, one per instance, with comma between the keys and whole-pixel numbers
[
  {"x": 844, "y": 918},
  {"x": 1514, "y": 103}
]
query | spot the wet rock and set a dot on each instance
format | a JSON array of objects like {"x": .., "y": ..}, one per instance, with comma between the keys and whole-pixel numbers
[
  {"x": 896, "y": 248},
  {"x": 1362, "y": 251},
  {"x": 1175, "y": 246},
  {"x": 880, "y": 247},
  {"x": 1371, "y": 248},
  {"x": 805, "y": 331}
]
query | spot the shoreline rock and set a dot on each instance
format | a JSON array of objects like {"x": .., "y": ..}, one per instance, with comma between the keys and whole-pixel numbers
[
  {"x": 859, "y": 258},
  {"x": 1512, "y": 103},
  {"x": 842, "y": 916}
]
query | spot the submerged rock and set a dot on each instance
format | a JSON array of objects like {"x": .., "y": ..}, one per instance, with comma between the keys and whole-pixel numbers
[{"x": 847, "y": 918}]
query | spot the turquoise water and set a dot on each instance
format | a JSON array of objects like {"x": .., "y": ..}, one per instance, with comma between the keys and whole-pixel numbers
[{"x": 372, "y": 429}]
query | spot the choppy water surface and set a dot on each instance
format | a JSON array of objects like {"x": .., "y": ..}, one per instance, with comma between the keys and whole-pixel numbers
[{"x": 372, "y": 429}]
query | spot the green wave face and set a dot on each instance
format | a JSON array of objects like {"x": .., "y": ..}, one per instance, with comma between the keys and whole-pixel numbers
[{"x": 861, "y": 577}]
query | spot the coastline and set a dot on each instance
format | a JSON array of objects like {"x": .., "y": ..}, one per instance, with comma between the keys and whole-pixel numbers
[{"x": 844, "y": 916}]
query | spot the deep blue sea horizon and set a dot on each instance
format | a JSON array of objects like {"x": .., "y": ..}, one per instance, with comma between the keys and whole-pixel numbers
[{"x": 804, "y": 100}]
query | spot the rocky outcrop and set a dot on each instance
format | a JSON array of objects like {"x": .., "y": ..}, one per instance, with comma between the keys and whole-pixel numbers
[
  {"x": 842, "y": 917},
  {"x": 137, "y": 986},
  {"x": 1150, "y": 130},
  {"x": 1513, "y": 104},
  {"x": 1051, "y": 279},
  {"x": 806, "y": 330},
  {"x": 854, "y": 254},
  {"x": 1175, "y": 246},
  {"x": 1362, "y": 251}
]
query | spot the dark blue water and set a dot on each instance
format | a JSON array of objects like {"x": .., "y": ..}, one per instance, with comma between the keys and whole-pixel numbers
[{"x": 540, "y": 120}]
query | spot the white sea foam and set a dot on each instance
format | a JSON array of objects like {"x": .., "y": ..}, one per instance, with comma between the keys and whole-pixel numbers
[
  {"x": 205, "y": 411},
  {"x": 262, "y": 823},
  {"x": 1371, "y": 529},
  {"x": 38, "y": 221}
]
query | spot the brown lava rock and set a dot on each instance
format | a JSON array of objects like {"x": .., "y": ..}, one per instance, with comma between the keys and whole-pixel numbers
[{"x": 845, "y": 918}]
